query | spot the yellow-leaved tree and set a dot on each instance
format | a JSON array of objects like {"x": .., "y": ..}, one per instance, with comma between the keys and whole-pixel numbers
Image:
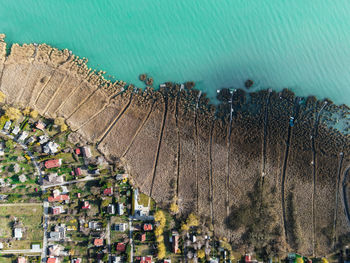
[
  {"x": 59, "y": 121},
  {"x": 300, "y": 260},
  {"x": 201, "y": 253},
  {"x": 13, "y": 113},
  {"x": 161, "y": 251},
  {"x": 2, "y": 97}
]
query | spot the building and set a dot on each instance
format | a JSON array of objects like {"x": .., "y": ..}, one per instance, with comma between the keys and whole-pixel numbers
[
  {"x": 86, "y": 152},
  {"x": 23, "y": 136},
  {"x": 7, "y": 125},
  {"x": 147, "y": 259},
  {"x": 40, "y": 125},
  {"x": 147, "y": 227},
  {"x": 58, "y": 198},
  {"x": 167, "y": 261},
  {"x": 43, "y": 139},
  {"x": 95, "y": 225},
  {"x": 59, "y": 233},
  {"x": 55, "y": 163},
  {"x": 1, "y": 245},
  {"x": 77, "y": 151},
  {"x": 36, "y": 248},
  {"x": 76, "y": 260},
  {"x": 121, "y": 227},
  {"x": 2, "y": 148},
  {"x": 143, "y": 237},
  {"x": 120, "y": 247},
  {"x": 51, "y": 148},
  {"x": 139, "y": 210},
  {"x": 21, "y": 260},
  {"x": 86, "y": 205},
  {"x": 175, "y": 241},
  {"x": 111, "y": 209},
  {"x": 98, "y": 242},
  {"x": 18, "y": 234},
  {"x": 56, "y": 210},
  {"x": 52, "y": 260},
  {"x": 16, "y": 130},
  {"x": 120, "y": 208},
  {"x": 77, "y": 171},
  {"x": 108, "y": 191},
  {"x": 122, "y": 177}
]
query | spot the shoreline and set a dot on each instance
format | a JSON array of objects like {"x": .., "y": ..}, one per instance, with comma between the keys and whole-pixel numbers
[{"x": 198, "y": 156}]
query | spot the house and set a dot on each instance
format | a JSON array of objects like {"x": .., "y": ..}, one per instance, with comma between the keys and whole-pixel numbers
[
  {"x": 77, "y": 171},
  {"x": 76, "y": 260},
  {"x": 59, "y": 233},
  {"x": 120, "y": 208},
  {"x": 2, "y": 148},
  {"x": 120, "y": 247},
  {"x": 95, "y": 225},
  {"x": 40, "y": 125},
  {"x": 116, "y": 260},
  {"x": 121, "y": 227},
  {"x": 16, "y": 130},
  {"x": 86, "y": 205},
  {"x": 121, "y": 177},
  {"x": 55, "y": 163},
  {"x": 108, "y": 191},
  {"x": 167, "y": 261},
  {"x": 52, "y": 260},
  {"x": 98, "y": 242},
  {"x": 53, "y": 178},
  {"x": 21, "y": 260},
  {"x": 51, "y": 148},
  {"x": 43, "y": 139},
  {"x": 147, "y": 259},
  {"x": 147, "y": 227},
  {"x": 58, "y": 198},
  {"x": 7, "y": 125},
  {"x": 86, "y": 152},
  {"x": 110, "y": 209},
  {"x": 23, "y": 136},
  {"x": 55, "y": 251},
  {"x": 30, "y": 140},
  {"x": 18, "y": 234},
  {"x": 36, "y": 248},
  {"x": 56, "y": 192},
  {"x": 1, "y": 245},
  {"x": 56, "y": 210},
  {"x": 139, "y": 210},
  {"x": 64, "y": 189},
  {"x": 77, "y": 151},
  {"x": 143, "y": 237},
  {"x": 175, "y": 241}
]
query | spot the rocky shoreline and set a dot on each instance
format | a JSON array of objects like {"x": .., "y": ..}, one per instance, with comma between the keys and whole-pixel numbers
[{"x": 181, "y": 149}]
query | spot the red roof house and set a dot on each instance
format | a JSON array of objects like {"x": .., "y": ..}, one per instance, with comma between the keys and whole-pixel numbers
[
  {"x": 147, "y": 259},
  {"x": 77, "y": 171},
  {"x": 21, "y": 260},
  {"x": 175, "y": 244},
  {"x": 120, "y": 247},
  {"x": 56, "y": 210},
  {"x": 147, "y": 227},
  {"x": 77, "y": 151},
  {"x": 108, "y": 191},
  {"x": 143, "y": 237},
  {"x": 58, "y": 198},
  {"x": 53, "y": 163},
  {"x": 86, "y": 205},
  {"x": 248, "y": 258},
  {"x": 51, "y": 260},
  {"x": 98, "y": 242},
  {"x": 40, "y": 125}
]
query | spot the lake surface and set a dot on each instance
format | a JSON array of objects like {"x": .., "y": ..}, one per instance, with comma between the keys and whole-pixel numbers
[{"x": 302, "y": 45}]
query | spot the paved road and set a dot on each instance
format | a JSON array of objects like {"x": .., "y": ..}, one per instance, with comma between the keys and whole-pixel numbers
[
  {"x": 131, "y": 241},
  {"x": 85, "y": 179},
  {"x": 108, "y": 236},
  {"x": 21, "y": 204},
  {"x": 45, "y": 225},
  {"x": 19, "y": 251}
]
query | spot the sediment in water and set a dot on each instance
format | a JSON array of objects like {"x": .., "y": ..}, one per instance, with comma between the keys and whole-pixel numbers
[{"x": 176, "y": 151}]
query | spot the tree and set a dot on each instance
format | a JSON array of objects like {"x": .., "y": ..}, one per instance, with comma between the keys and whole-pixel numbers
[
  {"x": 2, "y": 97},
  {"x": 26, "y": 111},
  {"x": 192, "y": 220},
  {"x": 201, "y": 253},
  {"x": 174, "y": 208},
  {"x": 324, "y": 260},
  {"x": 161, "y": 251},
  {"x": 184, "y": 227},
  {"x": 158, "y": 231},
  {"x": 300, "y": 260},
  {"x": 159, "y": 238},
  {"x": 34, "y": 114},
  {"x": 160, "y": 217},
  {"x": 13, "y": 113},
  {"x": 59, "y": 121}
]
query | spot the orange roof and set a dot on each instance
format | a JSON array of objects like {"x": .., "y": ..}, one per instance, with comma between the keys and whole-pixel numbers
[
  {"x": 53, "y": 163},
  {"x": 58, "y": 198},
  {"x": 51, "y": 260},
  {"x": 147, "y": 227},
  {"x": 98, "y": 242}
]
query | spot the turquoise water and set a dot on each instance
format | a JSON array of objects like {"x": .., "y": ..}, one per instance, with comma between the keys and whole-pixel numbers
[{"x": 303, "y": 45}]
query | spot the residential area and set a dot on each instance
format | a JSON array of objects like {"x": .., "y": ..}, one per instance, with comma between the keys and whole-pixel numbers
[{"x": 63, "y": 202}]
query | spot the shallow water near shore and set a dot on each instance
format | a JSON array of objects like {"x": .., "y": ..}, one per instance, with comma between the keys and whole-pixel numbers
[{"x": 302, "y": 45}]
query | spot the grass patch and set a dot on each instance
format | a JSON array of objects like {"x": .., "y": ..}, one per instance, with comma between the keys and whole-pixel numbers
[{"x": 30, "y": 216}]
